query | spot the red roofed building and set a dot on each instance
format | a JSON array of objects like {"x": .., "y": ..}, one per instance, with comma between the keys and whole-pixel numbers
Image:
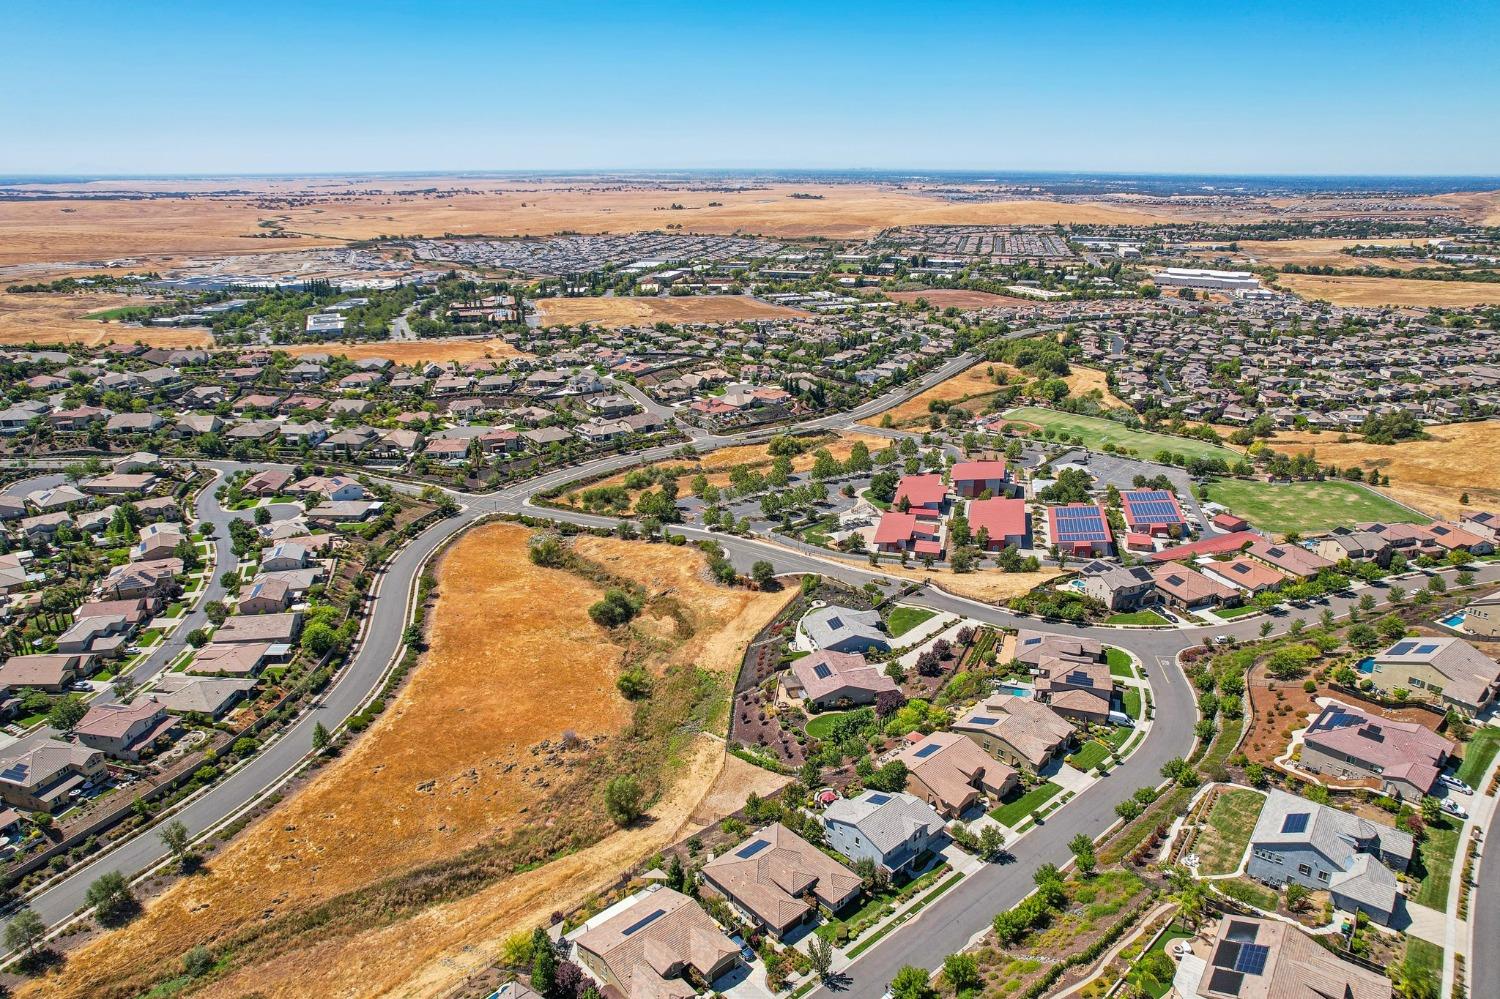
[
  {"x": 906, "y": 532},
  {"x": 924, "y": 494},
  {"x": 1229, "y": 522},
  {"x": 973, "y": 478},
  {"x": 1219, "y": 544},
  {"x": 1080, "y": 529},
  {"x": 1003, "y": 521}
]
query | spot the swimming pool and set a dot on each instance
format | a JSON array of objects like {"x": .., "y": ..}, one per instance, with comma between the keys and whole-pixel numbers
[
  {"x": 1009, "y": 688},
  {"x": 1366, "y": 665},
  {"x": 1455, "y": 620}
]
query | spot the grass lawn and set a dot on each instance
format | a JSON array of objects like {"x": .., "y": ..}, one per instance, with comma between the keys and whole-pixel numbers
[
  {"x": 149, "y": 637},
  {"x": 1230, "y": 613},
  {"x": 1118, "y": 736},
  {"x": 1436, "y": 852},
  {"x": 1137, "y": 617},
  {"x": 175, "y": 610},
  {"x": 1144, "y": 972},
  {"x": 1305, "y": 507},
  {"x": 1097, "y": 432},
  {"x": 1119, "y": 661},
  {"x": 904, "y": 619},
  {"x": 1013, "y": 812},
  {"x": 878, "y": 504},
  {"x": 1090, "y": 755},
  {"x": 31, "y": 720},
  {"x": 1249, "y": 892},
  {"x": 1230, "y": 822},
  {"x": 819, "y": 726},
  {"x": 1478, "y": 752},
  {"x": 1425, "y": 961},
  {"x": 1130, "y": 697}
]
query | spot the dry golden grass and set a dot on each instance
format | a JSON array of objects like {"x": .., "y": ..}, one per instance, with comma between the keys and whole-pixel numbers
[
  {"x": 629, "y": 311},
  {"x": 416, "y": 351},
  {"x": 973, "y": 381},
  {"x": 1392, "y": 291},
  {"x": 514, "y": 659},
  {"x": 959, "y": 298},
  {"x": 717, "y": 465},
  {"x": 1085, "y": 380},
  {"x": 1429, "y": 475},
  {"x": 58, "y": 319},
  {"x": 1323, "y": 252},
  {"x": 987, "y": 585}
]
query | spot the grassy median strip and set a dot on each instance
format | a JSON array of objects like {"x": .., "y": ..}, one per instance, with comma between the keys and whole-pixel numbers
[{"x": 927, "y": 899}]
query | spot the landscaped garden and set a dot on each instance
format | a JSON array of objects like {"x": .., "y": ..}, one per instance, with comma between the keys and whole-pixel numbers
[
  {"x": 1089, "y": 755},
  {"x": 1221, "y": 845},
  {"x": 904, "y": 619},
  {"x": 1019, "y": 808},
  {"x": 1148, "y": 617}
]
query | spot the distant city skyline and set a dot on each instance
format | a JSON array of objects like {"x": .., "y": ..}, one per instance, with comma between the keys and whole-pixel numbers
[{"x": 1373, "y": 89}]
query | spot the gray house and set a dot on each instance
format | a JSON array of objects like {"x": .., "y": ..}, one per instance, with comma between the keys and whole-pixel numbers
[
  {"x": 1118, "y": 587},
  {"x": 892, "y": 829},
  {"x": 843, "y": 629},
  {"x": 1322, "y": 848}
]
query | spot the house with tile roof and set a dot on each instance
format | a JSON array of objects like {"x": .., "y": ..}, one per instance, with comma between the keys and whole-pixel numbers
[
  {"x": 1449, "y": 671},
  {"x": 890, "y": 828},
  {"x": 1403, "y": 758},
  {"x": 777, "y": 879},
  {"x": 1017, "y": 730},
  {"x": 950, "y": 773},
  {"x": 835, "y": 679},
  {"x": 656, "y": 947}
]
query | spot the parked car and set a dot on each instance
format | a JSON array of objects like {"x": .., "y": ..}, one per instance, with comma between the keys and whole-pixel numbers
[
  {"x": 1455, "y": 783},
  {"x": 1454, "y": 808}
]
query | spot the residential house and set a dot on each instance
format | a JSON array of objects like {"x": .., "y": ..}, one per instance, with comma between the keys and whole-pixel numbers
[
  {"x": 649, "y": 948},
  {"x": 1017, "y": 730},
  {"x": 891, "y": 829},
  {"x": 50, "y": 673},
  {"x": 1294, "y": 560},
  {"x": 1404, "y": 758},
  {"x": 773, "y": 877},
  {"x": 124, "y": 731},
  {"x": 1252, "y": 577},
  {"x": 1324, "y": 849},
  {"x": 835, "y": 679},
  {"x": 38, "y": 776},
  {"x": 157, "y": 542},
  {"x": 212, "y": 696},
  {"x": 235, "y": 659},
  {"x": 274, "y": 629},
  {"x": 265, "y": 596},
  {"x": 950, "y": 772},
  {"x": 1251, "y": 958},
  {"x": 842, "y": 629},
  {"x": 1482, "y": 616},
  {"x": 1118, "y": 587},
  {"x": 1449, "y": 670},
  {"x": 1187, "y": 589}
]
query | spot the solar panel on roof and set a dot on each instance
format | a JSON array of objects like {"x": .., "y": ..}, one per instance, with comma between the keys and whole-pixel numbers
[
  {"x": 822, "y": 672},
  {"x": 751, "y": 849},
  {"x": 1252, "y": 959},
  {"x": 1296, "y": 822},
  {"x": 980, "y": 720},
  {"x": 643, "y": 922},
  {"x": 879, "y": 799},
  {"x": 1423, "y": 650},
  {"x": 834, "y": 622},
  {"x": 1402, "y": 648},
  {"x": 927, "y": 751},
  {"x": 1080, "y": 679}
]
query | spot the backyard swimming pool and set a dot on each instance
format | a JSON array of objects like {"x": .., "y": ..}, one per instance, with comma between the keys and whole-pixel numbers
[
  {"x": 1366, "y": 665},
  {"x": 1455, "y": 620}
]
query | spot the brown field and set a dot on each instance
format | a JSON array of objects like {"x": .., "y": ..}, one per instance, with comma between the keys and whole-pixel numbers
[
  {"x": 625, "y": 311},
  {"x": 718, "y": 464},
  {"x": 415, "y": 351},
  {"x": 1084, "y": 380},
  {"x": 1430, "y": 475},
  {"x": 1392, "y": 291},
  {"x": 58, "y": 319},
  {"x": 987, "y": 585},
  {"x": 959, "y": 298},
  {"x": 972, "y": 381},
  {"x": 1325, "y": 252},
  {"x": 431, "y": 779}
]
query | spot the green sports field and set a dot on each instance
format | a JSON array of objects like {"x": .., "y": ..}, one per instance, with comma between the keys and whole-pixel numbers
[
  {"x": 1306, "y": 507},
  {"x": 1097, "y": 432}
]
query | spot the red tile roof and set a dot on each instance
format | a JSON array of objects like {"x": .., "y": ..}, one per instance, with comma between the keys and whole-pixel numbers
[
  {"x": 921, "y": 490},
  {"x": 966, "y": 471},
  {"x": 1000, "y": 517}
]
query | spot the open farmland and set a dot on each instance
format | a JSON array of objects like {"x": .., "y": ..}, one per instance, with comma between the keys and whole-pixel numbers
[
  {"x": 445, "y": 768},
  {"x": 59, "y": 319},
  {"x": 1326, "y": 252},
  {"x": 971, "y": 387},
  {"x": 416, "y": 351},
  {"x": 1096, "y": 432},
  {"x": 1306, "y": 507},
  {"x": 1431, "y": 475},
  {"x": 1392, "y": 291},
  {"x": 632, "y": 311}
]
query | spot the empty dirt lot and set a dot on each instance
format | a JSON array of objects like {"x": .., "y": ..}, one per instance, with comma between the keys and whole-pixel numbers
[
  {"x": 1430, "y": 475},
  {"x": 442, "y": 771},
  {"x": 626, "y": 311},
  {"x": 1392, "y": 291},
  {"x": 416, "y": 351},
  {"x": 58, "y": 319}
]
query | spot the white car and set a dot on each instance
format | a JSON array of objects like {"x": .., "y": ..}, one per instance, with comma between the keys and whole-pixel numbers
[
  {"x": 1455, "y": 783},
  {"x": 1453, "y": 808},
  {"x": 81, "y": 685}
]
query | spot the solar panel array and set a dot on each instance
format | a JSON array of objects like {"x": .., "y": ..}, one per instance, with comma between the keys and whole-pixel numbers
[
  {"x": 750, "y": 850},
  {"x": 927, "y": 751},
  {"x": 1079, "y": 523},
  {"x": 1152, "y": 506},
  {"x": 1078, "y": 679},
  {"x": 981, "y": 720},
  {"x": 643, "y": 922},
  {"x": 1252, "y": 959},
  {"x": 1423, "y": 650},
  {"x": 1296, "y": 822},
  {"x": 822, "y": 672},
  {"x": 1402, "y": 648},
  {"x": 879, "y": 799}
]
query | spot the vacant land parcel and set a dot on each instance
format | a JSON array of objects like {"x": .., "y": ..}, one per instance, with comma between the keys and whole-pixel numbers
[
  {"x": 404, "y": 851},
  {"x": 1097, "y": 432}
]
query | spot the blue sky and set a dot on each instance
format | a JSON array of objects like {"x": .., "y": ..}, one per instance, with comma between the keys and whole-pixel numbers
[{"x": 1299, "y": 87}]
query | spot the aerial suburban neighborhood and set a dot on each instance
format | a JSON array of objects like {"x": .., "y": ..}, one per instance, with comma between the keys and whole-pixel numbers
[{"x": 545, "y": 582}]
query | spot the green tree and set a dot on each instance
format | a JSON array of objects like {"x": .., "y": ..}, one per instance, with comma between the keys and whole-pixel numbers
[
  {"x": 174, "y": 836},
  {"x": 820, "y": 954},
  {"x": 67, "y": 711},
  {"x": 319, "y": 737},
  {"x": 198, "y": 961},
  {"x": 624, "y": 799},
  {"x": 1083, "y": 854},
  {"x": 111, "y": 898},
  {"x": 25, "y": 931},
  {"x": 543, "y": 963},
  {"x": 763, "y": 573},
  {"x": 961, "y": 972},
  {"x": 912, "y": 983}
]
